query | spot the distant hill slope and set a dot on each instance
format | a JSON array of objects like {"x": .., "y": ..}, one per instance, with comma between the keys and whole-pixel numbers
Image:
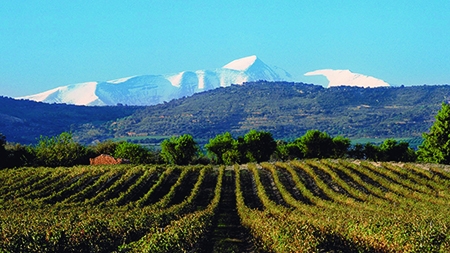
[
  {"x": 25, "y": 121},
  {"x": 288, "y": 110}
]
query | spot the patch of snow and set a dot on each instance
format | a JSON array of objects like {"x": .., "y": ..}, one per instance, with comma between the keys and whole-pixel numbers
[
  {"x": 83, "y": 94},
  {"x": 201, "y": 79},
  {"x": 120, "y": 80},
  {"x": 77, "y": 94},
  {"x": 241, "y": 64},
  {"x": 348, "y": 78},
  {"x": 176, "y": 79},
  {"x": 43, "y": 95}
]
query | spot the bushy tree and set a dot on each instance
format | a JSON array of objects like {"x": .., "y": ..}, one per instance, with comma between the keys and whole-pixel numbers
[
  {"x": 287, "y": 151},
  {"x": 19, "y": 155},
  {"x": 219, "y": 146},
  {"x": 315, "y": 144},
  {"x": 340, "y": 147},
  {"x": 133, "y": 152},
  {"x": 60, "y": 150},
  {"x": 107, "y": 147},
  {"x": 391, "y": 150},
  {"x": 179, "y": 150},
  {"x": 260, "y": 145},
  {"x": 436, "y": 145}
]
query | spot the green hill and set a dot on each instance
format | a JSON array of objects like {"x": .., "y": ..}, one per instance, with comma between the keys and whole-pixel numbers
[
  {"x": 24, "y": 121},
  {"x": 288, "y": 110}
]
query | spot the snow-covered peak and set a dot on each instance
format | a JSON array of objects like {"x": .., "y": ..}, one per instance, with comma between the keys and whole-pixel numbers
[
  {"x": 155, "y": 89},
  {"x": 340, "y": 77},
  {"x": 241, "y": 64}
]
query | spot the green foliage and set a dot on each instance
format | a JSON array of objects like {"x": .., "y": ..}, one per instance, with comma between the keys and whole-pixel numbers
[
  {"x": 133, "y": 152},
  {"x": 179, "y": 150},
  {"x": 3, "y": 154},
  {"x": 316, "y": 144},
  {"x": 260, "y": 145},
  {"x": 19, "y": 155},
  {"x": 219, "y": 146},
  {"x": 255, "y": 146},
  {"x": 340, "y": 146},
  {"x": 436, "y": 145},
  {"x": 60, "y": 150},
  {"x": 287, "y": 151},
  {"x": 107, "y": 147},
  {"x": 391, "y": 150}
]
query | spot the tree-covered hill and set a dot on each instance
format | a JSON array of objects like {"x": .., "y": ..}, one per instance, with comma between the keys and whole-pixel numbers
[
  {"x": 24, "y": 121},
  {"x": 288, "y": 110}
]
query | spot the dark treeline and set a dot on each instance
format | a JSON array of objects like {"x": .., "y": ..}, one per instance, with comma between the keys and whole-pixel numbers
[{"x": 255, "y": 146}]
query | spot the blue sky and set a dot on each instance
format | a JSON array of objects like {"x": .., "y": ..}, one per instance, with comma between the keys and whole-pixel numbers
[{"x": 46, "y": 44}]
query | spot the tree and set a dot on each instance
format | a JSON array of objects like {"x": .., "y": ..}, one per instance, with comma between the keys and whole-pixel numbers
[
  {"x": 341, "y": 147},
  {"x": 220, "y": 145},
  {"x": 3, "y": 153},
  {"x": 371, "y": 152},
  {"x": 179, "y": 150},
  {"x": 107, "y": 147},
  {"x": 19, "y": 155},
  {"x": 287, "y": 151},
  {"x": 134, "y": 152},
  {"x": 436, "y": 145},
  {"x": 391, "y": 150},
  {"x": 260, "y": 145},
  {"x": 60, "y": 150},
  {"x": 315, "y": 144}
]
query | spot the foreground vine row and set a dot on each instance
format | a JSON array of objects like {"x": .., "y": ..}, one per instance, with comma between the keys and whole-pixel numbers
[{"x": 297, "y": 206}]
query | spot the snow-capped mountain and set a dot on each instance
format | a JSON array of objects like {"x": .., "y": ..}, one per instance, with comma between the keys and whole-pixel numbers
[
  {"x": 155, "y": 89},
  {"x": 337, "y": 77}
]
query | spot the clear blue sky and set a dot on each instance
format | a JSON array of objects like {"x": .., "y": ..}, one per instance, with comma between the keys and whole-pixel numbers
[{"x": 46, "y": 44}]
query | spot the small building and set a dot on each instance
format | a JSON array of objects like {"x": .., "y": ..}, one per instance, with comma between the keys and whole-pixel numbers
[{"x": 107, "y": 159}]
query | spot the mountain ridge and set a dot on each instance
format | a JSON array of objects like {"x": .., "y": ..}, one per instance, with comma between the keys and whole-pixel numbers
[{"x": 156, "y": 89}]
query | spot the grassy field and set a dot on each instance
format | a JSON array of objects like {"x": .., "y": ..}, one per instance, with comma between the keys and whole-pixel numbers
[{"x": 297, "y": 206}]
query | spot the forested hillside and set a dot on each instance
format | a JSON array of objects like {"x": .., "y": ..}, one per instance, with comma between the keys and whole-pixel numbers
[
  {"x": 24, "y": 121},
  {"x": 288, "y": 110}
]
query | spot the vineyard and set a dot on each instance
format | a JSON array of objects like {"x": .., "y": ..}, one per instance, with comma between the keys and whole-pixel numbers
[{"x": 296, "y": 206}]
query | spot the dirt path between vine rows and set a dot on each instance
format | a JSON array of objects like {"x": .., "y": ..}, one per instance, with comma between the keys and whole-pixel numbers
[{"x": 228, "y": 235}]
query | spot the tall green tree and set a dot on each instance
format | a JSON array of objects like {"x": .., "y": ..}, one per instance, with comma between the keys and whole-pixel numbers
[
  {"x": 179, "y": 150},
  {"x": 436, "y": 145},
  {"x": 260, "y": 145},
  {"x": 341, "y": 146},
  {"x": 220, "y": 145},
  {"x": 316, "y": 144}
]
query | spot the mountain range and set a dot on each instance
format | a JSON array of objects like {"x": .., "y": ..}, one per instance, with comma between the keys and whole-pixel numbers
[{"x": 156, "y": 89}]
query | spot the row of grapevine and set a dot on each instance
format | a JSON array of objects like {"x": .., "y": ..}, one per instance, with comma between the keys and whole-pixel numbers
[
  {"x": 346, "y": 206},
  {"x": 91, "y": 213}
]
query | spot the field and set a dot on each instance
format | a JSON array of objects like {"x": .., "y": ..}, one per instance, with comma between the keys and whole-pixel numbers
[{"x": 297, "y": 206}]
